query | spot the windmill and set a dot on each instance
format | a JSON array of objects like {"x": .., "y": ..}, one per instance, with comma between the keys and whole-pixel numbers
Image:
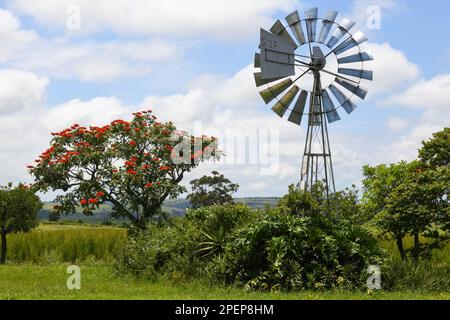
[{"x": 321, "y": 69}]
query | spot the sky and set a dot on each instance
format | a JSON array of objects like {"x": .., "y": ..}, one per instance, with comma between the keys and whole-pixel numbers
[{"x": 90, "y": 62}]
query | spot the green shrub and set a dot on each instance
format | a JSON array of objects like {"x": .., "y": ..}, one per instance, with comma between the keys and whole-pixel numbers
[
  {"x": 161, "y": 250},
  {"x": 284, "y": 251},
  {"x": 181, "y": 246},
  {"x": 216, "y": 217}
]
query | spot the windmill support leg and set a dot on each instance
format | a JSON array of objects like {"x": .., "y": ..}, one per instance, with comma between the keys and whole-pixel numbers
[{"x": 317, "y": 166}]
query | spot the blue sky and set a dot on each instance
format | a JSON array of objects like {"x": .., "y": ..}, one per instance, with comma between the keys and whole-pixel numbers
[{"x": 191, "y": 62}]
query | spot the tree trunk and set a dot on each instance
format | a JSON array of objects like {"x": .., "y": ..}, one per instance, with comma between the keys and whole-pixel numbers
[
  {"x": 3, "y": 253},
  {"x": 400, "y": 248}
]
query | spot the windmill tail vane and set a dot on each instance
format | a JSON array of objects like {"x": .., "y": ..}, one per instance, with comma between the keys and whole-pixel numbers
[{"x": 314, "y": 62}]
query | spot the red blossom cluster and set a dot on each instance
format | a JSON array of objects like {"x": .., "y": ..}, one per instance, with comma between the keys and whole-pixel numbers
[
  {"x": 132, "y": 172},
  {"x": 168, "y": 147},
  {"x": 65, "y": 158},
  {"x": 99, "y": 132},
  {"x": 82, "y": 144},
  {"x": 94, "y": 200}
]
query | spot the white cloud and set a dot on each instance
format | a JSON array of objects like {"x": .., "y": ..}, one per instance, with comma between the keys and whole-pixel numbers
[
  {"x": 361, "y": 15},
  {"x": 20, "y": 90},
  {"x": 13, "y": 39},
  {"x": 97, "y": 111},
  {"x": 392, "y": 69},
  {"x": 198, "y": 18},
  {"x": 72, "y": 58},
  {"x": 92, "y": 61},
  {"x": 429, "y": 94},
  {"x": 397, "y": 123},
  {"x": 406, "y": 147}
]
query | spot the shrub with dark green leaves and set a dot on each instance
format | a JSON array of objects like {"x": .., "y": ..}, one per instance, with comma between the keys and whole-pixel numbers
[
  {"x": 182, "y": 246},
  {"x": 283, "y": 251},
  {"x": 161, "y": 249}
]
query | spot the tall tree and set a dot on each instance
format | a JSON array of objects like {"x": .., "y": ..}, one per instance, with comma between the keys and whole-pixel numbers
[
  {"x": 210, "y": 190},
  {"x": 436, "y": 151},
  {"x": 18, "y": 212},
  {"x": 412, "y": 198},
  {"x": 133, "y": 165}
]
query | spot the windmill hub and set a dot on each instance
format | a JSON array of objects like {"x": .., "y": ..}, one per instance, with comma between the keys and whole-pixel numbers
[
  {"x": 289, "y": 55},
  {"x": 318, "y": 60}
]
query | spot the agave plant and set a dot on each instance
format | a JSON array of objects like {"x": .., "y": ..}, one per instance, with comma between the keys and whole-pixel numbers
[{"x": 214, "y": 244}]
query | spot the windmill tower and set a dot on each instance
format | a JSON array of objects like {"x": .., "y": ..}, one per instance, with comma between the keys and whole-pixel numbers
[{"x": 313, "y": 70}]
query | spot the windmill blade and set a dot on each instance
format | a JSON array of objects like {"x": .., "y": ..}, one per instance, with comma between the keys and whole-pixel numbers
[
  {"x": 363, "y": 74},
  {"x": 311, "y": 23},
  {"x": 344, "y": 27},
  {"x": 279, "y": 30},
  {"x": 354, "y": 41},
  {"x": 327, "y": 23},
  {"x": 259, "y": 81},
  {"x": 274, "y": 91},
  {"x": 299, "y": 108},
  {"x": 359, "y": 57},
  {"x": 282, "y": 106},
  {"x": 328, "y": 107},
  {"x": 295, "y": 24},
  {"x": 357, "y": 90},
  {"x": 257, "y": 61},
  {"x": 344, "y": 101},
  {"x": 277, "y": 58}
]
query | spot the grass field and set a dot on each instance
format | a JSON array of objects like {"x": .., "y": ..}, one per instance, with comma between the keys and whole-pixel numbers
[
  {"x": 37, "y": 263},
  {"x": 52, "y": 243},
  {"x": 98, "y": 282}
]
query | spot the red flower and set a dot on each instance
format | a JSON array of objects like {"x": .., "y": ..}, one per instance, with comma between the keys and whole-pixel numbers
[
  {"x": 148, "y": 185},
  {"x": 137, "y": 129},
  {"x": 165, "y": 168},
  {"x": 132, "y": 143},
  {"x": 114, "y": 171},
  {"x": 130, "y": 163},
  {"x": 145, "y": 166},
  {"x": 100, "y": 194},
  {"x": 132, "y": 172},
  {"x": 83, "y": 202},
  {"x": 92, "y": 200}
]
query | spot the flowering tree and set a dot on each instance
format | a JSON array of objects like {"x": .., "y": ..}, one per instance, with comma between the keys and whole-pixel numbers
[{"x": 133, "y": 165}]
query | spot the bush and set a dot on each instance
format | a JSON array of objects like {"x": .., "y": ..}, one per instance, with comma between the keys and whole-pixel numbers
[
  {"x": 181, "y": 245},
  {"x": 160, "y": 250},
  {"x": 283, "y": 251},
  {"x": 292, "y": 247}
]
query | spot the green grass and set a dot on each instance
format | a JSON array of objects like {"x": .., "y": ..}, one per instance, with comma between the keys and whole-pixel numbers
[
  {"x": 52, "y": 243},
  {"x": 438, "y": 255},
  {"x": 98, "y": 282}
]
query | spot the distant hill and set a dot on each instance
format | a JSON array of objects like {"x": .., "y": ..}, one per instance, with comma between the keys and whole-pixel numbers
[{"x": 174, "y": 207}]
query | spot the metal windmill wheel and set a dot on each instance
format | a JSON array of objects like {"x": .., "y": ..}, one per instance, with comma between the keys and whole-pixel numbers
[{"x": 315, "y": 68}]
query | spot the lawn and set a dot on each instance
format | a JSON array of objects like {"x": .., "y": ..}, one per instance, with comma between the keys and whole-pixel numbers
[{"x": 98, "y": 282}]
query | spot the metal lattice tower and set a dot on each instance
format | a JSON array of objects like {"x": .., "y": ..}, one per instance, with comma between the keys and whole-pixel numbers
[
  {"x": 317, "y": 165},
  {"x": 309, "y": 70}
]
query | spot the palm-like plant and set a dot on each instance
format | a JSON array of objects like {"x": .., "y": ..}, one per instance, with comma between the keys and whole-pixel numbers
[{"x": 213, "y": 244}]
